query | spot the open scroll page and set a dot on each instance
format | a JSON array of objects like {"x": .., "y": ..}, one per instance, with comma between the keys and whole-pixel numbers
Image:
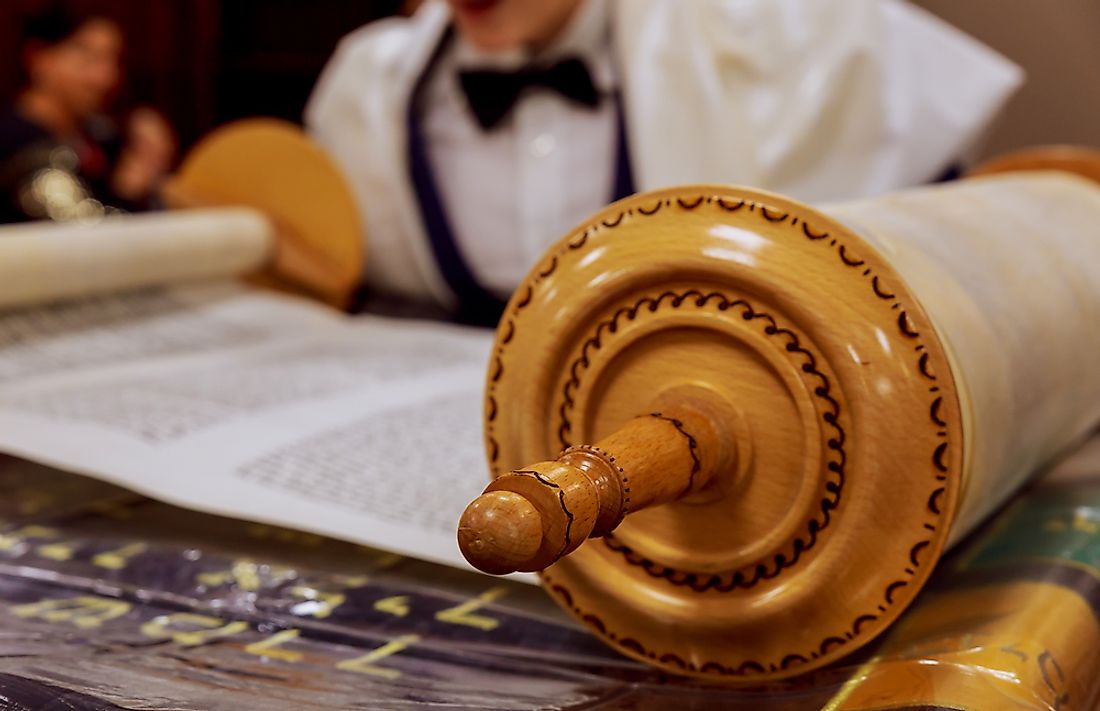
[{"x": 248, "y": 404}]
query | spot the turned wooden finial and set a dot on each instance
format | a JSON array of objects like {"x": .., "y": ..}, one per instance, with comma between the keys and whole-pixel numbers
[
  {"x": 500, "y": 532},
  {"x": 529, "y": 518}
]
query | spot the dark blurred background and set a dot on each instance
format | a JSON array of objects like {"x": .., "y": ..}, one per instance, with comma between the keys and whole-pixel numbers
[
  {"x": 1058, "y": 43},
  {"x": 204, "y": 62}
]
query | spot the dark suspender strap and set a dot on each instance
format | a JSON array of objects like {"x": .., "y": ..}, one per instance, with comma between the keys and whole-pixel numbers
[
  {"x": 624, "y": 175},
  {"x": 476, "y": 305}
]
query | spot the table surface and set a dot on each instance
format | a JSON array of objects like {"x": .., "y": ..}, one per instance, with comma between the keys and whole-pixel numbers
[{"x": 109, "y": 600}]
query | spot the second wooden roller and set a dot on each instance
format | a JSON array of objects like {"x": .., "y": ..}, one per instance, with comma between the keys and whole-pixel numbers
[{"x": 775, "y": 418}]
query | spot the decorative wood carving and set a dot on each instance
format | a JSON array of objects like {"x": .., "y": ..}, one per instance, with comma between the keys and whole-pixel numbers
[{"x": 788, "y": 418}]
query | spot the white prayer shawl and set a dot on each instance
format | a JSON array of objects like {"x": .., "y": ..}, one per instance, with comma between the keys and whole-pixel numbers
[{"x": 821, "y": 100}]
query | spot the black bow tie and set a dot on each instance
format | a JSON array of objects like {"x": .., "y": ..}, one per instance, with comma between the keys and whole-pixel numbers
[{"x": 492, "y": 94}]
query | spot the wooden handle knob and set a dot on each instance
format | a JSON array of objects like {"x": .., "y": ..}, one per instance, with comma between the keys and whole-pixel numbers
[
  {"x": 529, "y": 518},
  {"x": 500, "y": 532}
]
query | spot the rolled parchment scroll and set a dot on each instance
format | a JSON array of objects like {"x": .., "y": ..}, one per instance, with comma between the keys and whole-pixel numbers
[
  {"x": 263, "y": 199},
  {"x": 45, "y": 260},
  {"x": 774, "y": 419}
]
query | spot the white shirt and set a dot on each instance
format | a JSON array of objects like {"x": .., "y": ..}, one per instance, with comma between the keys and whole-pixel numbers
[
  {"x": 822, "y": 100},
  {"x": 511, "y": 192}
]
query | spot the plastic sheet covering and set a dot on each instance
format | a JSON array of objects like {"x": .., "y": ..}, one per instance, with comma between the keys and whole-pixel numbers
[{"x": 111, "y": 601}]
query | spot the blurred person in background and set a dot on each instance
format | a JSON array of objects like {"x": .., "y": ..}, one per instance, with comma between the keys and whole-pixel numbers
[
  {"x": 61, "y": 156},
  {"x": 478, "y": 132}
]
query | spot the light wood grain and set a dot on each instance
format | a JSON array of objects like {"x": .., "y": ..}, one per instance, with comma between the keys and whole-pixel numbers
[
  {"x": 271, "y": 166},
  {"x": 875, "y": 377}
]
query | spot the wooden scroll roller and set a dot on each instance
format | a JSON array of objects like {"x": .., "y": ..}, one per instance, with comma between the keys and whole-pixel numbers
[
  {"x": 773, "y": 418},
  {"x": 262, "y": 199}
]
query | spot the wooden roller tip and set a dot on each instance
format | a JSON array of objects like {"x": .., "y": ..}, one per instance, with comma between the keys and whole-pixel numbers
[{"x": 500, "y": 532}]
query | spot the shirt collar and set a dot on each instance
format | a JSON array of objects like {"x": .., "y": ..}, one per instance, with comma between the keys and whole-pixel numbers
[{"x": 586, "y": 35}]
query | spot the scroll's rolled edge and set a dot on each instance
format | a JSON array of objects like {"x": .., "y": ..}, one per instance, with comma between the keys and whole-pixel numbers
[
  {"x": 575, "y": 589},
  {"x": 49, "y": 261}
]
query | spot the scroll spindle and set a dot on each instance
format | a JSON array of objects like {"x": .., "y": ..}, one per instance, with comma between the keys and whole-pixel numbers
[{"x": 528, "y": 519}]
